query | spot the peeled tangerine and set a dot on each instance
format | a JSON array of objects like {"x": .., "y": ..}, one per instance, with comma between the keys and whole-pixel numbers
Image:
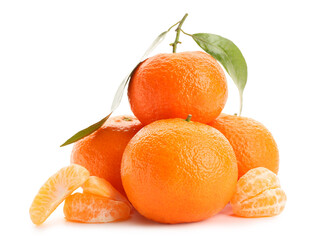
[
  {"x": 100, "y": 202},
  {"x": 91, "y": 208},
  {"x": 258, "y": 194}
]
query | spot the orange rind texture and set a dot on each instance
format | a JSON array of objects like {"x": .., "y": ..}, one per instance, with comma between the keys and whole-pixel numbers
[
  {"x": 101, "y": 152},
  {"x": 90, "y": 208},
  {"x": 258, "y": 194},
  {"x": 252, "y": 142},
  {"x": 175, "y": 171},
  {"x": 57, "y": 188},
  {"x": 171, "y": 85}
]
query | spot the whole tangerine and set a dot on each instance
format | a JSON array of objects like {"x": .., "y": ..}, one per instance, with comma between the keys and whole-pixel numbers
[
  {"x": 253, "y": 144},
  {"x": 173, "y": 85},
  {"x": 101, "y": 152},
  {"x": 175, "y": 171}
]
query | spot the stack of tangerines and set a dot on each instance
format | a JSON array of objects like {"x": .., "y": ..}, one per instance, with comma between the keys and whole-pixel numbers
[{"x": 179, "y": 160}]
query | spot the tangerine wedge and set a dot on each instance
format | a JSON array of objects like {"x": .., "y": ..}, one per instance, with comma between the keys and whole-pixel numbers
[
  {"x": 91, "y": 208},
  {"x": 55, "y": 190},
  {"x": 100, "y": 186},
  {"x": 258, "y": 194}
]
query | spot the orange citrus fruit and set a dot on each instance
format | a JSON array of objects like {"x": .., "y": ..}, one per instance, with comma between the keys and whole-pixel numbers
[
  {"x": 176, "y": 171},
  {"x": 101, "y": 152},
  {"x": 258, "y": 194},
  {"x": 173, "y": 85},
  {"x": 55, "y": 190},
  {"x": 100, "y": 186},
  {"x": 90, "y": 208},
  {"x": 253, "y": 144}
]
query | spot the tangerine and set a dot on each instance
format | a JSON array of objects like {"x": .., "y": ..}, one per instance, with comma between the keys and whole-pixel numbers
[
  {"x": 101, "y": 152},
  {"x": 253, "y": 144},
  {"x": 173, "y": 85},
  {"x": 176, "y": 171}
]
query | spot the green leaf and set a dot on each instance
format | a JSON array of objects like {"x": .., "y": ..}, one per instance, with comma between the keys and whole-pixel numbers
[
  {"x": 115, "y": 103},
  {"x": 154, "y": 44},
  {"x": 117, "y": 98},
  {"x": 228, "y": 54},
  {"x": 79, "y": 135},
  {"x": 120, "y": 91}
]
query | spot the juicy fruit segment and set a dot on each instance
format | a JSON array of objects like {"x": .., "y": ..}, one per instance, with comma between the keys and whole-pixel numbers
[
  {"x": 90, "y": 208},
  {"x": 55, "y": 190},
  {"x": 258, "y": 194},
  {"x": 268, "y": 203},
  {"x": 103, "y": 188}
]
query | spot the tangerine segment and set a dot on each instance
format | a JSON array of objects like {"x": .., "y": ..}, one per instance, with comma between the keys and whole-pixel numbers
[
  {"x": 101, "y": 187},
  {"x": 55, "y": 190},
  {"x": 254, "y": 182},
  {"x": 90, "y": 208},
  {"x": 258, "y": 194},
  {"x": 269, "y": 203}
]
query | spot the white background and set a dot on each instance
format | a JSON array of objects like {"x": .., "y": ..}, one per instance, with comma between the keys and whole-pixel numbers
[{"x": 61, "y": 63}]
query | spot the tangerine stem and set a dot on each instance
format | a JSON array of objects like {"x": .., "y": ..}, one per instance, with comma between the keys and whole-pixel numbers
[
  {"x": 127, "y": 119},
  {"x": 178, "y": 30},
  {"x": 240, "y": 102},
  {"x": 173, "y": 26},
  {"x": 188, "y": 118},
  {"x": 186, "y": 33}
]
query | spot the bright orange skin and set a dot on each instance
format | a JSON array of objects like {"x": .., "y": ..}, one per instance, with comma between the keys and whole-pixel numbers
[
  {"x": 175, "y": 171},
  {"x": 101, "y": 152},
  {"x": 90, "y": 208},
  {"x": 253, "y": 144},
  {"x": 173, "y": 85},
  {"x": 258, "y": 194}
]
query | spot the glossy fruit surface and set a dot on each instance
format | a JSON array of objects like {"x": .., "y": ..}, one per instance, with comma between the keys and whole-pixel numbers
[
  {"x": 177, "y": 84},
  {"x": 253, "y": 144},
  {"x": 258, "y": 194},
  {"x": 55, "y": 190},
  {"x": 101, "y": 152},
  {"x": 175, "y": 171}
]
